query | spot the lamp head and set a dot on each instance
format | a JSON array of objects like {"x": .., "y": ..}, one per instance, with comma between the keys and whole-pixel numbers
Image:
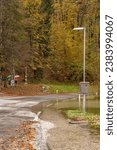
[{"x": 79, "y": 28}]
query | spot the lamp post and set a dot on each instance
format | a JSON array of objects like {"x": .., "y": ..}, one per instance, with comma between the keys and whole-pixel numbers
[{"x": 84, "y": 62}]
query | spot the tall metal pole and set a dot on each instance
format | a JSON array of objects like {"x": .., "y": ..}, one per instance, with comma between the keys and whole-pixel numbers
[
  {"x": 84, "y": 61},
  {"x": 83, "y": 28},
  {"x": 84, "y": 54}
]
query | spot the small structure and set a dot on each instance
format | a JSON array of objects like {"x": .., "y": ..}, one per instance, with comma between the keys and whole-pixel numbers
[
  {"x": 84, "y": 87},
  {"x": 84, "y": 90}
]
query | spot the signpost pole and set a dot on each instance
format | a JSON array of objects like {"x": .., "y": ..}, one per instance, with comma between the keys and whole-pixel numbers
[
  {"x": 84, "y": 96},
  {"x": 84, "y": 62}
]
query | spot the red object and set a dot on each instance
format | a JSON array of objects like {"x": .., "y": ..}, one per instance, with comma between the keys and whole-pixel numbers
[{"x": 17, "y": 77}]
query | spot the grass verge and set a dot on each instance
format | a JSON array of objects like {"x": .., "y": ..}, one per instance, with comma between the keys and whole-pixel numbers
[
  {"x": 77, "y": 115},
  {"x": 50, "y": 88},
  {"x": 62, "y": 88}
]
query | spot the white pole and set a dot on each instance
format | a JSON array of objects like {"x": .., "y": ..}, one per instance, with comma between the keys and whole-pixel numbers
[
  {"x": 79, "y": 100},
  {"x": 84, "y": 54},
  {"x": 84, "y": 103},
  {"x": 57, "y": 98},
  {"x": 84, "y": 57},
  {"x": 84, "y": 61}
]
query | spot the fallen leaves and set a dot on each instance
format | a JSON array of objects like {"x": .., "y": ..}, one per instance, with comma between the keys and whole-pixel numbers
[{"x": 22, "y": 139}]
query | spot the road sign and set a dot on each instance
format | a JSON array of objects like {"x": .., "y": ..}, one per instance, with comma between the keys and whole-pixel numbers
[{"x": 84, "y": 87}]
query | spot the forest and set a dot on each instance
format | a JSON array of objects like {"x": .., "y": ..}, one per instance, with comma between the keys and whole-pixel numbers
[{"x": 38, "y": 36}]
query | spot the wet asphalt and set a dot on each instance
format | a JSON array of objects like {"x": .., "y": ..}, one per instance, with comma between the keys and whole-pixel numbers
[{"x": 15, "y": 110}]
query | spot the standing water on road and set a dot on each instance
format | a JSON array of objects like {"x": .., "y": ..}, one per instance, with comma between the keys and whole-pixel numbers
[
  {"x": 62, "y": 135},
  {"x": 65, "y": 136}
]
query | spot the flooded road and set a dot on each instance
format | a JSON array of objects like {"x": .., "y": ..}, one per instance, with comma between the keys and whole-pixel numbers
[
  {"x": 14, "y": 111},
  {"x": 65, "y": 136}
]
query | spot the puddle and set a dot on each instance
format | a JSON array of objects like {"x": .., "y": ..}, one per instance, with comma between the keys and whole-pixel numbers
[
  {"x": 78, "y": 133},
  {"x": 92, "y": 106}
]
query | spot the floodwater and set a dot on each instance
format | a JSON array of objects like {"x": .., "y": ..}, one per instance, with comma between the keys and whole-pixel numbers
[
  {"x": 13, "y": 111},
  {"x": 65, "y": 135},
  {"x": 92, "y": 106}
]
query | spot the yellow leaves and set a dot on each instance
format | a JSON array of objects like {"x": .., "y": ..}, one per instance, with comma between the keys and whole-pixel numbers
[
  {"x": 32, "y": 12},
  {"x": 33, "y": 3}
]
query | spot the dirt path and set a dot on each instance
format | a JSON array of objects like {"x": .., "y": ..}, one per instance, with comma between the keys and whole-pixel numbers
[{"x": 67, "y": 136}]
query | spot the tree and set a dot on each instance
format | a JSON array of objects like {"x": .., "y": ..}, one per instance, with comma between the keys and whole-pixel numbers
[
  {"x": 8, "y": 36},
  {"x": 40, "y": 34},
  {"x": 37, "y": 25},
  {"x": 67, "y": 46}
]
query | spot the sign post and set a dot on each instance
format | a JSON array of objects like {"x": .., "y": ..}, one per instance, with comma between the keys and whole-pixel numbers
[{"x": 83, "y": 85}]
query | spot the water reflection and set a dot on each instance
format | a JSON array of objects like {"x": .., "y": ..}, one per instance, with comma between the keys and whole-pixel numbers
[{"x": 92, "y": 106}]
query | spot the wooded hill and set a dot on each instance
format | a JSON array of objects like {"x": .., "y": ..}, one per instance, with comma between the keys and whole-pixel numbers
[{"x": 38, "y": 34}]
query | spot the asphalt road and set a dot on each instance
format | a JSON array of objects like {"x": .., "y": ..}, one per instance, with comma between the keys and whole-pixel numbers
[{"x": 15, "y": 110}]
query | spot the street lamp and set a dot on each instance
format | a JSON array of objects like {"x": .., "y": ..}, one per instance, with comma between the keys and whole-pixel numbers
[
  {"x": 84, "y": 84},
  {"x": 83, "y": 28}
]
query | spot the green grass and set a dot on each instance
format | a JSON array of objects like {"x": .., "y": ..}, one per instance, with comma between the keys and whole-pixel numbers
[
  {"x": 55, "y": 86},
  {"x": 94, "y": 120},
  {"x": 62, "y": 88},
  {"x": 69, "y": 87}
]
